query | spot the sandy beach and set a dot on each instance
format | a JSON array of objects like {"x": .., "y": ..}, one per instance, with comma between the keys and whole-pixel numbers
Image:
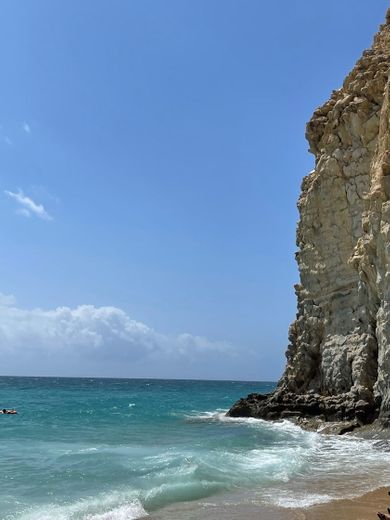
[
  {"x": 361, "y": 508},
  {"x": 364, "y": 507}
]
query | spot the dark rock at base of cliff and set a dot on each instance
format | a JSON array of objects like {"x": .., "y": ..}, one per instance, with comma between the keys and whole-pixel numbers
[
  {"x": 248, "y": 406},
  {"x": 331, "y": 414}
]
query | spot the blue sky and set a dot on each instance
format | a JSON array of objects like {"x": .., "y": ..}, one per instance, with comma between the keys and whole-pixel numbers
[{"x": 151, "y": 159}]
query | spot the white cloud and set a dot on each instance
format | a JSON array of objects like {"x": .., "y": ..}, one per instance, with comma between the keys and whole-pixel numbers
[
  {"x": 27, "y": 206},
  {"x": 90, "y": 332},
  {"x": 26, "y": 127},
  {"x": 7, "y": 300}
]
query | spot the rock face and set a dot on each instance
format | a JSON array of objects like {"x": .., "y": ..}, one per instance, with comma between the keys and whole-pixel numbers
[{"x": 338, "y": 358}]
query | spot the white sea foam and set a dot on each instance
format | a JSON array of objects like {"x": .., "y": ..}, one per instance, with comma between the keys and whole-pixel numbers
[
  {"x": 287, "y": 466},
  {"x": 88, "y": 450},
  {"x": 126, "y": 512},
  {"x": 306, "y": 467},
  {"x": 112, "y": 506},
  {"x": 304, "y": 500},
  {"x": 219, "y": 415}
]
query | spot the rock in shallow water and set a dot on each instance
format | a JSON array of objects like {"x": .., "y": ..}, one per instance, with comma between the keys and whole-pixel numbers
[{"x": 338, "y": 358}]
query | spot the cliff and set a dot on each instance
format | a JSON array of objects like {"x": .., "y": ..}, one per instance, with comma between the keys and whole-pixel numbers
[{"x": 338, "y": 358}]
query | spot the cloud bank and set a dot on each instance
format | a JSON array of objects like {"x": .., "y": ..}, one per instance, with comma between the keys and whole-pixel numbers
[
  {"x": 100, "y": 334},
  {"x": 27, "y": 207}
]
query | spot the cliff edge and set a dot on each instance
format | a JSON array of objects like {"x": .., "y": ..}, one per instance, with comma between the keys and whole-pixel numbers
[{"x": 338, "y": 358}]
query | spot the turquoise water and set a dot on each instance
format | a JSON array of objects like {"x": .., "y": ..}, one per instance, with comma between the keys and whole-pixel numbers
[{"x": 115, "y": 449}]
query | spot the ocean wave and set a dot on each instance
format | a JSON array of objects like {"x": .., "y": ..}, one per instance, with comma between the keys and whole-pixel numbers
[
  {"x": 126, "y": 512},
  {"x": 111, "y": 506},
  {"x": 219, "y": 415},
  {"x": 308, "y": 467},
  {"x": 212, "y": 453},
  {"x": 283, "y": 426},
  {"x": 302, "y": 500}
]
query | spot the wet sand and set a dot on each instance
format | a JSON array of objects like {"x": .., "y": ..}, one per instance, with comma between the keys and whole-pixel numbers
[
  {"x": 204, "y": 510},
  {"x": 360, "y": 508}
]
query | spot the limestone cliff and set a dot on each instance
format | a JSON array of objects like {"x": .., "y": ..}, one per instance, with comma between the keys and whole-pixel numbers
[{"x": 338, "y": 358}]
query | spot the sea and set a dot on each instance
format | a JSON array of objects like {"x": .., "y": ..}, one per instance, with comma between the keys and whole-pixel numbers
[{"x": 121, "y": 449}]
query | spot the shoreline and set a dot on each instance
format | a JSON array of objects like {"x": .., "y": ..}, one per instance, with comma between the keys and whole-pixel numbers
[
  {"x": 364, "y": 507},
  {"x": 231, "y": 507},
  {"x": 237, "y": 505}
]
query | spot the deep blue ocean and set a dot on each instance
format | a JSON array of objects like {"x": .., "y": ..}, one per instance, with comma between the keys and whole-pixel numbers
[{"x": 117, "y": 449}]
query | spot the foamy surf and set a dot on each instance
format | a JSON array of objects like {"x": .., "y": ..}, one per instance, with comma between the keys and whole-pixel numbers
[
  {"x": 219, "y": 415},
  {"x": 126, "y": 512},
  {"x": 103, "y": 507},
  {"x": 347, "y": 466},
  {"x": 177, "y": 446}
]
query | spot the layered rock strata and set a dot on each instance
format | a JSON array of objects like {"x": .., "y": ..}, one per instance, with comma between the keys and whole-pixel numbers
[{"x": 338, "y": 358}]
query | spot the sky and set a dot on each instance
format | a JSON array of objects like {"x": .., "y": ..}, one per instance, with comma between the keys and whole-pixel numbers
[{"x": 151, "y": 155}]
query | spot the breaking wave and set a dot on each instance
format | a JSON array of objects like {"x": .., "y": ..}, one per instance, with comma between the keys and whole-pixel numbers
[{"x": 177, "y": 446}]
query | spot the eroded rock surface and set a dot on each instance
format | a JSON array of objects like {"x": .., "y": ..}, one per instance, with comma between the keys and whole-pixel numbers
[{"x": 338, "y": 358}]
